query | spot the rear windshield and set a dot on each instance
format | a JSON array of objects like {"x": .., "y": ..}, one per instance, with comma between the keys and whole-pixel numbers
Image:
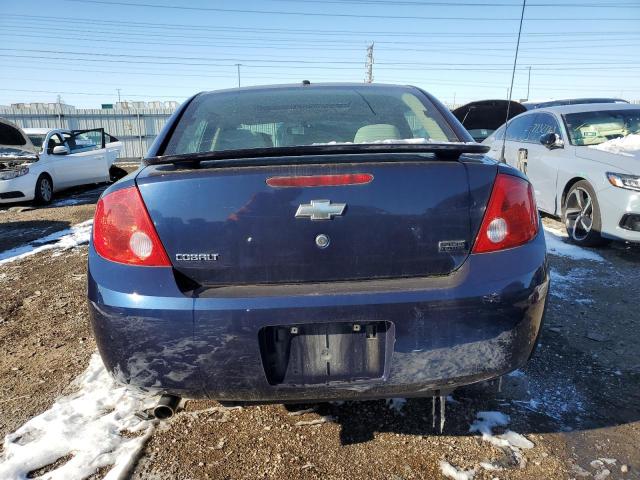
[
  {"x": 593, "y": 128},
  {"x": 298, "y": 116}
]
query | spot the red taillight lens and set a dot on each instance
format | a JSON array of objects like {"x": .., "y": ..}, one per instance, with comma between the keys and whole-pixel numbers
[
  {"x": 320, "y": 180},
  {"x": 123, "y": 232},
  {"x": 511, "y": 218}
]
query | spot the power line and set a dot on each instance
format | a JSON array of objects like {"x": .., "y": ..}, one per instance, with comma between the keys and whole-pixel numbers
[
  {"x": 324, "y": 32},
  {"x": 408, "y": 66},
  {"x": 465, "y": 4},
  {"x": 163, "y": 58},
  {"x": 200, "y": 72},
  {"x": 332, "y": 15},
  {"x": 264, "y": 43},
  {"x": 465, "y": 52}
]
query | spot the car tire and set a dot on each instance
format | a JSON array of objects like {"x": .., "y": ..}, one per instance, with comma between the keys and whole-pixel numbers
[
  {"x": 581, "y": 216},
  {"x": 44, "y": 190},
  {"x": 116, "y": 173}
]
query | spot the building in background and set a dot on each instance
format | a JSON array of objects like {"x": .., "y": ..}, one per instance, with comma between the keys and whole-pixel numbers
[{"x": 136, "y": 124}]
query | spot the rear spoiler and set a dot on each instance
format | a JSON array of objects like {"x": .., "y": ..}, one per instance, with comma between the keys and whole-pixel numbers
[{"x": 267, "y": 156}]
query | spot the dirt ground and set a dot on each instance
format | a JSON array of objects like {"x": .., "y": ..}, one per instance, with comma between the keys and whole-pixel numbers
[{"x": 578, "y": 399}]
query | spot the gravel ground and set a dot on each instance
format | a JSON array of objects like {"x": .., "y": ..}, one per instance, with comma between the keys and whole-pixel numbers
[{"x": 578, "y": 400}]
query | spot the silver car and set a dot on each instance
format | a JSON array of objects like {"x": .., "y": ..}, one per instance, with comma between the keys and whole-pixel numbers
[{"x": 584, "y": 164}]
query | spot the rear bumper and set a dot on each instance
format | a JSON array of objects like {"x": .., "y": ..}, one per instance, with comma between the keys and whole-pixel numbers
[{"x": 476, "y": 324}]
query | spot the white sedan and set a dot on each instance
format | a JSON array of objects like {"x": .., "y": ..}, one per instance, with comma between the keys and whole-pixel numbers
[
  {"x": 584, "y": 164},
  {"x": 36, "y": 162}
]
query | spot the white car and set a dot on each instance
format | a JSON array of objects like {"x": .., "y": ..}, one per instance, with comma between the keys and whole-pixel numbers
[
  {"x": 584, "y": 164},
  {"x": 36, "y": 162}
]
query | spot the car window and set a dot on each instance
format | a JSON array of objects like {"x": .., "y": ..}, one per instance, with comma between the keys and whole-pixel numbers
[
  {"x": 543, "y": 123},
  {"x": 36, "y": 140},
  {"x": 498, "y": 134},
  {"x": 519, "y": 128},
  {"x": 286, "y": 117},
  {"x": 83, "y": 142},
  {"x": 592, "y": 128}
]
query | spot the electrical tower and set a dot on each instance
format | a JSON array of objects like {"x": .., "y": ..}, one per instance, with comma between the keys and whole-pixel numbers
[{"x": 369, "y": 65}]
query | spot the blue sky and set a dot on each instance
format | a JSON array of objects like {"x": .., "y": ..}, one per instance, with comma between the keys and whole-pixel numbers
[{"x": 458, "y": 50}]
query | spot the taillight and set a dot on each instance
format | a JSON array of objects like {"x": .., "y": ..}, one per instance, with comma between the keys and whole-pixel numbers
[
  {"x": 511, "y": 218},
  {"x": 123, "y": 232},
  {"x": 320, "y": 180}
]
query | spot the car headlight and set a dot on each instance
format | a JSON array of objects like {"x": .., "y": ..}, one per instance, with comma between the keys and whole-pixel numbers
[
  {"x": 17, "y": 172},
  {"x": 622, "y": 180}
]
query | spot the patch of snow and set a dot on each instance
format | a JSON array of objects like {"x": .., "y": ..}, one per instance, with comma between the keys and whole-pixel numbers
[
  {"x": 297, "y": 413},
  {"x": 602, "y": 474},
  {"x": 564, "y": 286},
  {"x": 396, "y": 404},
  {"x": 398, "y": 141},
  {"x": 516, "y": 374},
  {"x": 484, "y": 424},
  {"x": 553, "y": 400},
  {"x": 67, "y": 201},
  {"x": 555, "y": 246},
  {"x": 317, "y": 421},
  {"x": 629, "y": 146},
  {"x": 63, "y": 240},
  {"x": 86, "y": 425},
  {"x": 490, "y": 466},
  {"x": 450, "y": 471}
]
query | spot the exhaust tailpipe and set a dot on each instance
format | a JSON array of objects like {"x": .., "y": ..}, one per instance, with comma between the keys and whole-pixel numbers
[{"x": 166, "y": 407}]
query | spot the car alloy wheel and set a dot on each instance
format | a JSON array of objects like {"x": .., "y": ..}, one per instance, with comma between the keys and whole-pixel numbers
[
  {"x": 579, "y": 214},
  {"x": 45, "y": 189}
]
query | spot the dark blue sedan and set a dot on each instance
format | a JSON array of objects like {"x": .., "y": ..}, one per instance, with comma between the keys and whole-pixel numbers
[{"x": 316, "y": 242}]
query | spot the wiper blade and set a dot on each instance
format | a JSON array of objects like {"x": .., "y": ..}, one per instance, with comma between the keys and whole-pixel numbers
[{"x": 441, "y": 150}]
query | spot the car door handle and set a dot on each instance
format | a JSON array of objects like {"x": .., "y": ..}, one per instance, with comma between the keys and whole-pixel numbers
[{"x": 523, "y": 156}]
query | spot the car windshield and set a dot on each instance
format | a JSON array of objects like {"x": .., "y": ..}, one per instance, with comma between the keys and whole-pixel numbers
[
  {"x": 37, "y": 140},
  {"x": 593, "y": 128},
  {"x": 298, "y": 116}
]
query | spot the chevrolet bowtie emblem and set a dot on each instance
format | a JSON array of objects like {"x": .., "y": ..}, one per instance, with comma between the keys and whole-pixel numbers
[{"x": 320, "y": 210}]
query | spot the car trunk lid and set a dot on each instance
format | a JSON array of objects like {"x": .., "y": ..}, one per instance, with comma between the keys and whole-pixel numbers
[{"x": 227, "y": 226}]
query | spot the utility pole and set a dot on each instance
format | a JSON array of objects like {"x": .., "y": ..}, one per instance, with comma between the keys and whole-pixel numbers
[
  {"x": 59, "y": 102},
  {"x": 369, "y": 65},
  {"x": 118, "y": 94},
  {"x": 238, "y": 67},
  {"x": 529, "y": 83}
]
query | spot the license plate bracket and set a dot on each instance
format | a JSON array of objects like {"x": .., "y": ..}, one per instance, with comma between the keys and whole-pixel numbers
[{"x": 321, "y": 353}]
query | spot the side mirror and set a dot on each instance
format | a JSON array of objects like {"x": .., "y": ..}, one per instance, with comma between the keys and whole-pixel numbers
[
  {"x": 551, "y": 141},
  {"x": 61, "y": 150}
]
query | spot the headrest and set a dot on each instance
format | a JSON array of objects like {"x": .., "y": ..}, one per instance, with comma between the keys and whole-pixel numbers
[{"x": 379, "y": 131}]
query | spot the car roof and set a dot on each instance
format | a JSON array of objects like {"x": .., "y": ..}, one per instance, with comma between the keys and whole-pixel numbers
[
  {"x": 311, "y": 85},
  {"x": 585, "y": 107},
  {"x": 556, "y": 102},
  {"x": 37, "y": 131}
]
